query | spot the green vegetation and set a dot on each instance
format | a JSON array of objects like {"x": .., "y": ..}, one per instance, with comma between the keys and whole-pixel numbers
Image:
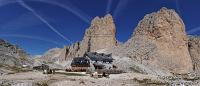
[
  {"x": 19, "y": 69},
  {"x": 41, "y": 84},
  {"x": 1, "y": 65},
  {"x": 15, "y": 69},
  {"x": 151, "y": 82}
]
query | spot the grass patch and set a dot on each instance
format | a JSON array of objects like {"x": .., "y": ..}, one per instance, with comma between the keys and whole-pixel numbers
[
  {"x": 151, "y": 82},
  {"x": 11, "y": 73},
  {"x": 19, "y": 69},
  {"x": 15, "y": 69},
  {"x": 41, "y": 84},
  {"x": 71, "y": 74},
  {"x": 1, "y": 65}
]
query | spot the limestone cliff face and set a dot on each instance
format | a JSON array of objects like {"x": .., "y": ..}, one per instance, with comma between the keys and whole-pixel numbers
[
  {"x": 100, "y": 35},
  {"x": 160, "y": 40},
  {"x": 194, "y": 49}
]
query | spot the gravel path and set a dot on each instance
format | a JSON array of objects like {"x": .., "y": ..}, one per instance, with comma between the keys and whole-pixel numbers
[
  {"x": 28, "y": 78},
  {"x": 39, "y": 79}
]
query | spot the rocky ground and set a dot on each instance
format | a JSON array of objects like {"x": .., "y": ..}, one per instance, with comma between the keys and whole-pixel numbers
[{"x": 61, "y": 78}]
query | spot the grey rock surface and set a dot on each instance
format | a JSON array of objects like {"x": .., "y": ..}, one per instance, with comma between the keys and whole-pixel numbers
[
  {"x": 194, "y": 49},
  {"x": 13, "y": 55}
]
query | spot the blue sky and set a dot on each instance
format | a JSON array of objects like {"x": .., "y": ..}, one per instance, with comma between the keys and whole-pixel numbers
[{"x": 38, "y": 25}]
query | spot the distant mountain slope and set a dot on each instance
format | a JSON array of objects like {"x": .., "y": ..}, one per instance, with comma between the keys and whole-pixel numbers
[{"x": 13, "y": 55}]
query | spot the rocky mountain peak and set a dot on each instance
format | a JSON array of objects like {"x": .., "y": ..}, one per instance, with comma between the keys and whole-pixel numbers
[
  {"x": 99, "y": 35},
  {"x": 160, "y": 40},
  {"x": 107, "y": 19}
]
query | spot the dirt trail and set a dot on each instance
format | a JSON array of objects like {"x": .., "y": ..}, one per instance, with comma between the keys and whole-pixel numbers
[
  {"x": 79, "y": 79},
  {"x": 35, "y": 78}
]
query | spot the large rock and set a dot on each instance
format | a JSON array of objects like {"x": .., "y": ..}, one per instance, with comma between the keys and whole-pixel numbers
[
  {"x": 160, "y": 40},
  {"x": 100, "y": 35},
  {"x": 194, "y": 49}
]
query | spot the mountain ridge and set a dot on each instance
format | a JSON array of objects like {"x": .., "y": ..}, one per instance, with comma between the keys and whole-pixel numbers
[{"x": 159, "y": 41}]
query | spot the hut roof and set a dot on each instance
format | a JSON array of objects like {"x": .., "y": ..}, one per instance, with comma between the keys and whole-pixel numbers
[{"x": 81, "y": 62}]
